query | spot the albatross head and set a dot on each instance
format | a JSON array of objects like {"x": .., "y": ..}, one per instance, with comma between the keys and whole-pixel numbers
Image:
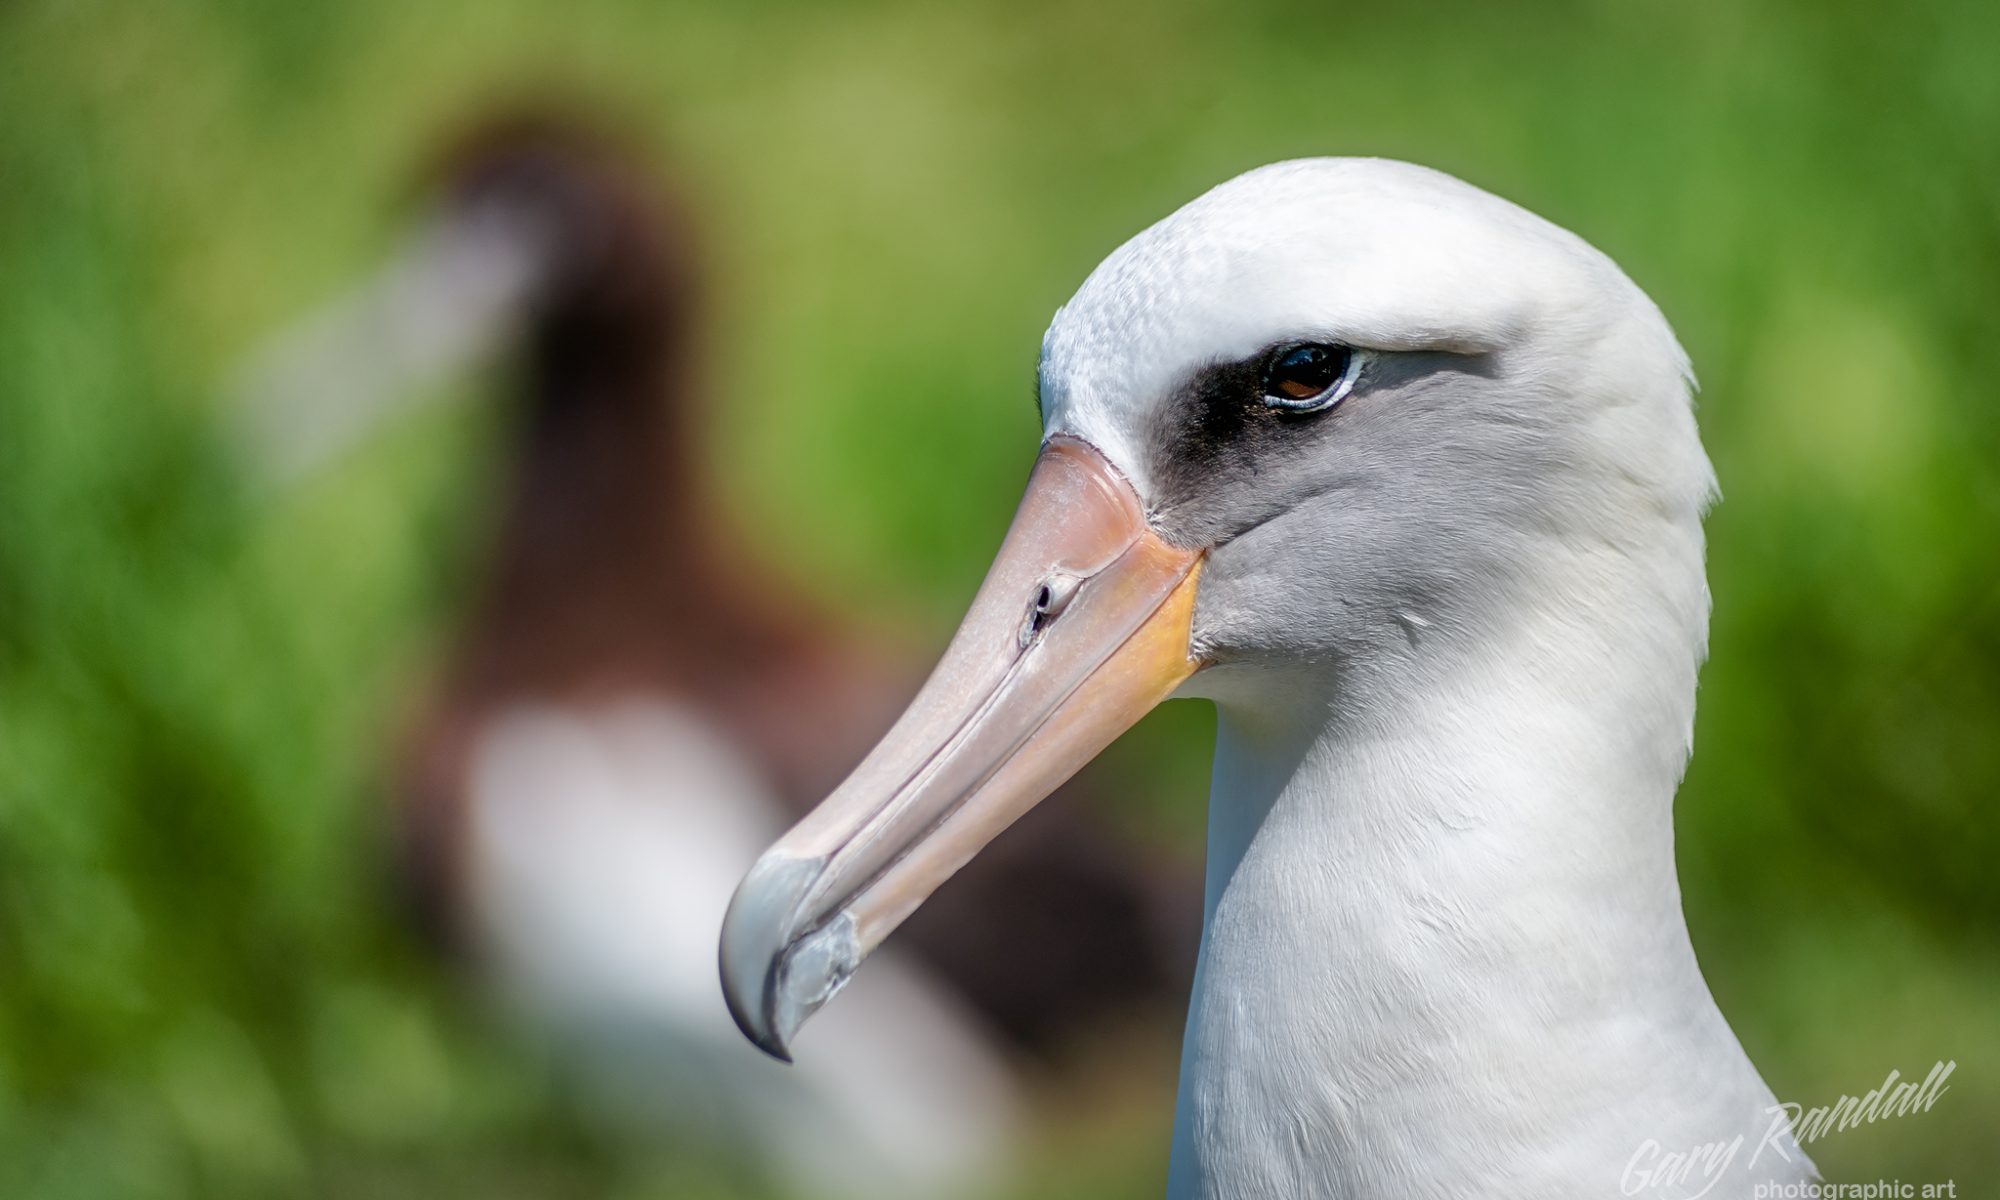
[{"x": 1328, "y": 430}]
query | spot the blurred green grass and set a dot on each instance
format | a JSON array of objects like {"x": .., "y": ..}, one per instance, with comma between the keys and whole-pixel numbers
[{"x": 202, "y": 991}]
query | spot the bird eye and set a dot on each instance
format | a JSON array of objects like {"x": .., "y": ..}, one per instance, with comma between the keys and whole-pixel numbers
[{"x": 1308, "y": 378}]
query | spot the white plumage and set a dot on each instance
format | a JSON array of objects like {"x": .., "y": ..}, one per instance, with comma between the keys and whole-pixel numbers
[
  {"x": 1444, "y": 953},
  {"x": 1406, "y": 480}
]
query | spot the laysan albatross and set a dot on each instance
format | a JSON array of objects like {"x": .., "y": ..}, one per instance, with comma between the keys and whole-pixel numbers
[{"x": 1407, "y": 481}]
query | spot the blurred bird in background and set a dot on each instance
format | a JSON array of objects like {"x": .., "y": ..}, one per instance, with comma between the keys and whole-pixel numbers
[{"x": 632, "y": 706}]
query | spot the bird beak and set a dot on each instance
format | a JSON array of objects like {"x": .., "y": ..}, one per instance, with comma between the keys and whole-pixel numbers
[
  {"x": 454, "y": 291},
  {"x": 1080, "y": 628}
]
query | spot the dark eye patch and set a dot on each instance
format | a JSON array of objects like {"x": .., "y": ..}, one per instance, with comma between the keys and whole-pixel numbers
[
  {"x": 1220, "y": 457},
  {"x": 1221, "y": 424},
  {"x": 1212, "y": 413}
]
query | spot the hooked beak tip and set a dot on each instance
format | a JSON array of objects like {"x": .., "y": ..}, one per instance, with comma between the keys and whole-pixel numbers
[{"x": 774, "y": 974}]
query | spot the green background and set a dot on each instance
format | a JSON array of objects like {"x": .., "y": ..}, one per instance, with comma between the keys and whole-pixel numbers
[{"x": 203, "y": 991}]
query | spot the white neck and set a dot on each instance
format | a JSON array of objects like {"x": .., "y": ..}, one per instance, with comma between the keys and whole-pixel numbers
[{"x": 1444, "y": 952}]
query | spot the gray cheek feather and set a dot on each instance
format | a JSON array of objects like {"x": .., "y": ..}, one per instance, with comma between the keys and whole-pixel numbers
[{"x": 1403, "y": 519}]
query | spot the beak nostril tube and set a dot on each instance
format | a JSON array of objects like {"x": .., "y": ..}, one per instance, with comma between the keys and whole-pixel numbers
[{"x": 1049, "y": 600}]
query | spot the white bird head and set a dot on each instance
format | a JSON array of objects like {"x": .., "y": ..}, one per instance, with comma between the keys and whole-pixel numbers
[
  {"x": 1333, "y": 424},
  {"x": 1377, "y": 398}
]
